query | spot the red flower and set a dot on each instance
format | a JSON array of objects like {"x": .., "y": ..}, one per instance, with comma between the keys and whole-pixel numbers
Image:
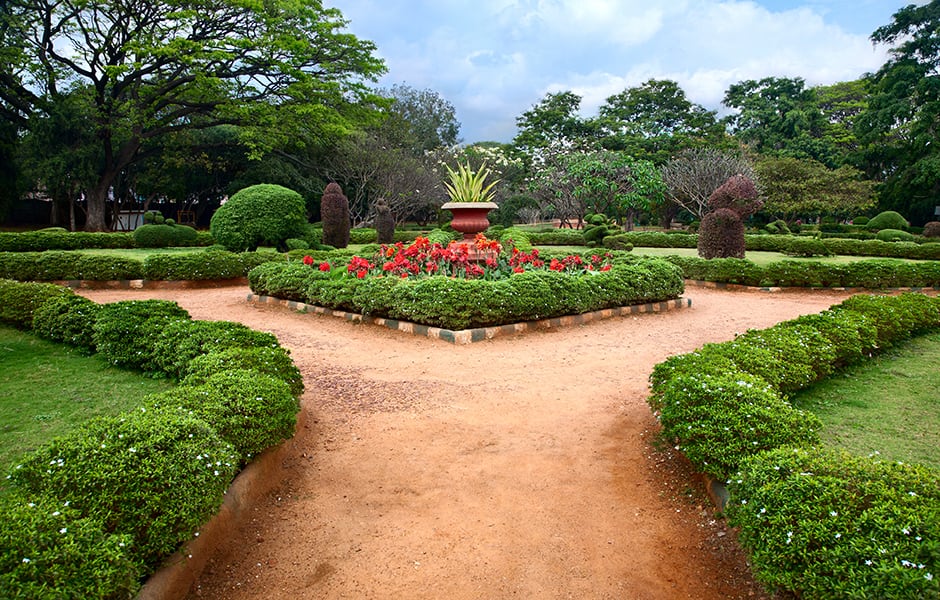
[
  {"x": 361, "y": 274},
  {"x": 324, "y": 266},
  {"x": 308, "y": 260},
  {"x": 518, "y": 270}
]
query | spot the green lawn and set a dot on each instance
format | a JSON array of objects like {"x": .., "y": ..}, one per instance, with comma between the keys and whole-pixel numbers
[
  {"x": 47, "y": 389},
  {"x": 889, "y": 404}
]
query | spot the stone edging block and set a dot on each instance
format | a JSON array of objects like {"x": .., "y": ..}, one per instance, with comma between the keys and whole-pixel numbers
[{"x": 469, "y": 336}]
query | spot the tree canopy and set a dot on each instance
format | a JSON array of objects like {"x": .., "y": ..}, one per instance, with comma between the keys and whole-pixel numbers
[
  {"x": 154, "y": 67},
  {"x": 899, "y": 126}
]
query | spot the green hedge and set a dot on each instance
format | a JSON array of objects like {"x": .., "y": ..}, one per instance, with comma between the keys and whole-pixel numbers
[
  {"x": 59, "y": 239},
  {"x": 810, "y": 517},
  {"x": 64, "y": 266},
  {"x": 89, "y": 514},
  {"x": 920, "y": 249},
  {"x": 460, "y": 304},
  {"x": 873, "y": 273},
  {"x": 824, "y": 524}
]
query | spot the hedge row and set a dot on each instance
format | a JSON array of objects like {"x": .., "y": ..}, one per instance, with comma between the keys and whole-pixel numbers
[
  {"x": 368, "y": 235},
  {"x": 460, "y": 303},
  {"x": 60, "y": 239},
  {"x": 871, "y": 274},
  {"x": 63, "y": 265},
  {"x": 91, "y": 513},
  {"x": 782, "y": 243},
  {"x": 817, "y": 523}
]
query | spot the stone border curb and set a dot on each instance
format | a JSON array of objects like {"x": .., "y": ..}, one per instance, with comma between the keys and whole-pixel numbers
[
  {"x": 719, "y": 285},
  {"x": 174, "y": 580},
  {"x": 150, "y": 284},
  {"x": 479, "y": 334}
]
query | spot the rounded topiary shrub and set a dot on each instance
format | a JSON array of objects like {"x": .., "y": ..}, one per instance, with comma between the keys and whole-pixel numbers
[
  {"x": 250, "y": 410},
  {"x": 888, "y": 219},
  {"x": 69, "y": 319},
  {"x": 126, "y": 331},
  {"x": 894, "y": 235},
  {"x": 154, "y": 475},
  {"x": 260, "y": 215},
  {"x": 48, "y": 550},
  {"x": 270, "y": 361}
]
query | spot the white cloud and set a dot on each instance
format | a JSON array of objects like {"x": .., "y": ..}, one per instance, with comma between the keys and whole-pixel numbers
[{"x": 494, "y": 59}]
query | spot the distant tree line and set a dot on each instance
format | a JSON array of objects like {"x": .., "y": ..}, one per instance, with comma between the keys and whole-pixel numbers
[{"x": 106, "y": 106}]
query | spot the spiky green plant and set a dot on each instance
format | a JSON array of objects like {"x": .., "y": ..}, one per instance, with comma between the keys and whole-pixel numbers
[{"x": 468, "y": 186}]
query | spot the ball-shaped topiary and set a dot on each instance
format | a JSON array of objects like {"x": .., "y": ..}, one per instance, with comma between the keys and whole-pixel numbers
[
  {"x": 334, "y": 211},
  {"x": 260, "y": 215},
  {"x": 894, "y": 235},
  {"x": 888, "y": 219}
]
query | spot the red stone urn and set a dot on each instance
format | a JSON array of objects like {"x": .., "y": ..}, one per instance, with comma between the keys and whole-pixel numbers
[
  {"x": 470, "y": 220},
  {"x": 470, "y": 217}
]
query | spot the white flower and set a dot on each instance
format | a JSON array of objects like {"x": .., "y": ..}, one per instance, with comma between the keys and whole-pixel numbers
[{"x": 63, "y": 530}]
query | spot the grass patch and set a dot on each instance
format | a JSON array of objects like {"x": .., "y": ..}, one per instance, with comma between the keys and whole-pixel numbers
[
  {"x": 47, "y": 389},
  {"x": 890, "y": 404}
]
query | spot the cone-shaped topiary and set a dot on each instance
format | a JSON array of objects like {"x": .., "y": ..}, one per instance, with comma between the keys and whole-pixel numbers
[
  {"x": 334, "y": 210},
  {"x": 384, "y": 222},
  {"x": 260, "y": 215}
]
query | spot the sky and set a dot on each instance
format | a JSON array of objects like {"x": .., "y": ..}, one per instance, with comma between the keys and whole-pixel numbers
[{"x": 495, "y": 59}]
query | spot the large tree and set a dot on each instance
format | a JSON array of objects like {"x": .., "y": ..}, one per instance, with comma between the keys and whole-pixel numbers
[
  {"x": 794, "y": 187},
  {"x": 900, "y": 125},
  {"x": 155, "y": 67},
  {"x": 613, "y": 183},
  {"x": 655, "y": 120},
  {"x": 419, "y": 120},
  {"x": 554, "y": 120},
  {"x": 779, "y": 116},
  {"x": 694, "y": 174}
]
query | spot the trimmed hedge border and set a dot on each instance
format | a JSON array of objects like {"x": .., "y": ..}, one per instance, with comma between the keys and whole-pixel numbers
[
  {"x": 870, "y": 526},
  {"x": 158, "y": 430},
  {"x": 478, "y": 334}
]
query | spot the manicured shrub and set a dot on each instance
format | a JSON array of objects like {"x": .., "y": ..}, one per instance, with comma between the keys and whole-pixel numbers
[
  {"x": 802, "y": 246},
  {"x": 895, "y": 318},
  {"x": 179, "y": 341},
  {"x": 557, "y": 237},
  {"x": 250, "y": 410},
  {"x": 932, "y": 229},
  {"x": 852, "y": 334},
  {"x": 69, "y": 319},
  {"x": 594, "y": 234},
  {"x": 517, "y": 237},
  {"x": 209, "y": 265},
  {"x": 334, "y": 212},
  {"x": 165, "y": 235},
  {"x": 860, "y": 221},
  {"x": 154, "y": 475},
  {"x": 719, "y": 419},
  {"x": 721, "y": 235},
  {"x": 894, "y": 235},
  {"x": 360, "y": 235},
  {"x": 259, "y": 215},
  {"x": 384, "y": 223},
  {"x": 888, "y": 219},
  {"x": 270, "y": 361},
  {"x": 19, "y": 301},
  {"x": 778, "y": 227},
  {"x": 126, "y": 331},
  {"x": 823, "y": 524},
  {"x": 618, "y": 242},
  {"x": 297, "y": 244},
  {"x": 48, "y": 550}
]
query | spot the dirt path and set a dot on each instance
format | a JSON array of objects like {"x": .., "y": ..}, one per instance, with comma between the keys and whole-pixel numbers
[{"x": 520, "y": 467}]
